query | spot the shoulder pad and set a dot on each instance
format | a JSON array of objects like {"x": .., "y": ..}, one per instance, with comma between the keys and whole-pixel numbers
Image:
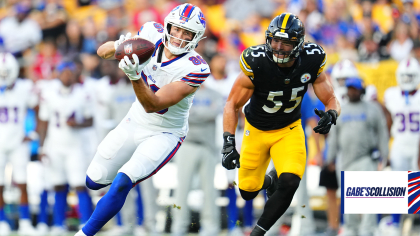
[
  {"x": 249, "y": 59},
  {"x": 151, "y": 31},
  {"x": 316, "y": 54}
]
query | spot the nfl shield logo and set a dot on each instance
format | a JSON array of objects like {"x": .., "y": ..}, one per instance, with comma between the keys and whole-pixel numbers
[
  {"x": 128, "y": 49},
  {"x": 154, "y": 67}
]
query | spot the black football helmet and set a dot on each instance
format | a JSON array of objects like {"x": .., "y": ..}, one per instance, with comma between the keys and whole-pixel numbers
[{"x": 289, "y": 27}]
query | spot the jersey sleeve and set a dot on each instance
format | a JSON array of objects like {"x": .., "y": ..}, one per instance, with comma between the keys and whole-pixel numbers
[
  {"x": 322, "y": 66},
  {"x": 195, "y": 73},
  {"x": 44, "y": 110},
  {"x": 151, "y": 31},
  {"x": 245, "y": 63}
]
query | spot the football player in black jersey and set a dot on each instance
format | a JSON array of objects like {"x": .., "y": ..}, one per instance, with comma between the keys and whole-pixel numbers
[{"x": 275, "y": 77}]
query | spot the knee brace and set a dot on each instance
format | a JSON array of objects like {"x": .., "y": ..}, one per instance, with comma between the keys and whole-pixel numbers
[
  {"x": 288, "y": 183},
  {"x": 92, "y": 185},
  {"x": 248, "y": 195}
]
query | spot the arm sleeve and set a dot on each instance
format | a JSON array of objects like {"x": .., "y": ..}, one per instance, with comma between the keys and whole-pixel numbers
[
  {"x": 332, "y": 144},
  {"x": 44, "y": 111},
  {"x": 194, "y": 75},
  {"x": 245, "y": 65},
  {"x": 322, "y": 66},
  {"x": 382, "y": 132},
  {"x": 88, "y": 107}
]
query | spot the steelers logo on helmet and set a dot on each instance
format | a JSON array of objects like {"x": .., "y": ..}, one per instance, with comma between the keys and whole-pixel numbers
[
  {"x": 289, "y": 29},
  {"x": 187, "y": 17}
]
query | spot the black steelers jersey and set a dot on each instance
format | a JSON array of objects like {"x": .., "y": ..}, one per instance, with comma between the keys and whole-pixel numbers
[{"x": 277, "y": 96}]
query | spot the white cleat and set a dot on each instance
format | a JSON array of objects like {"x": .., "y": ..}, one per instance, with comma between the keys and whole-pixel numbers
[
  {"x": 58, "y": 231},
  {"x": 118, "y": 230},
  {"x": 26, "y": 228},
  {"x": 140, "y": 231},
  {"x": 80, "y": 233},
  {"x": 42, "y": 229},
  {"x": 236, "y": 232},
  {"x": 5, "y": 228}
]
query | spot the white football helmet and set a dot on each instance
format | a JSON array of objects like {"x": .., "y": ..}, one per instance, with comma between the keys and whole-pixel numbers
[
  {"x": 408, "y": 74},
  {"x": 9, "y": 69},
  {"x": 342, "y": 70},
  {"x": 188, "y": 17}
]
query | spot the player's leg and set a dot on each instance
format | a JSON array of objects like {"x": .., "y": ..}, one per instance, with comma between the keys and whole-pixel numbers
[
  {"x": 187, "y": 161},
  {"x": 19, "y": 157},
  {"x": 75, "y": 168},
  {"x": 112, "y": 153},
  {"x": 4, "y": 226},
  {"x": 56, "y": 156},
  {"x": 155, "y": 150},
  {"x": 289, "y": 157},
  {"x": 254, "y": 159},
  {"x": 210, "y": 215}
]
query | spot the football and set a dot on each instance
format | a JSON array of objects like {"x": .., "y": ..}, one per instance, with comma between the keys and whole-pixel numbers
[{"x": 143, "y": 48}]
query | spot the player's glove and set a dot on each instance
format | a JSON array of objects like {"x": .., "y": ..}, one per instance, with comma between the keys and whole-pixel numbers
[
  {"x": 327, "y": 119},
  {"x": 121, "y": 40},
  {"x": 230, "y": 156},
  {"x": 133, "y": 71}
]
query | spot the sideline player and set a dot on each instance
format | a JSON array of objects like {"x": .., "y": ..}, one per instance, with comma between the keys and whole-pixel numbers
[
  {"x": 275, "y": 76},
  {"x": 157, "y": 123},
  {"x": 403, "y": 101},
  {"x": 16, "y": 96},
  {"x": 65, "y": 109}
]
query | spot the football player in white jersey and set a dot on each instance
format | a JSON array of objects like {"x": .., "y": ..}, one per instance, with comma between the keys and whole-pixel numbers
[
  {"x": 403, "y": 101},
  {"x": 16, "y": 96},
  {"x": 64, "y": 110},
  {"x": 157, "y": 123}
]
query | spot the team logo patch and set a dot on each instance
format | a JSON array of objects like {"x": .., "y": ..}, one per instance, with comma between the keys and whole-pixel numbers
[
  {"x": 305, "y": 77},
  {"x": 128, "y": 48},
  {"x": 128, "y": 120},
  {"x": 247, "y": 133},
  {"x": 154, "y": 67},
  {"x": 202, "y": 19}
]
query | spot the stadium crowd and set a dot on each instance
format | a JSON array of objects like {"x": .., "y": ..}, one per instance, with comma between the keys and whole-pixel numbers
[{"x": 57, "y": 40}]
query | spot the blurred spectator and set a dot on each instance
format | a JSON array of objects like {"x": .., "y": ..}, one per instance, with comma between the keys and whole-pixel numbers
[
  {"x": 145, "y": 12},
  {"x": 46, "y": 61},
  {"x": 19, "y": 32},
  {"x": 52, "y": 18},
  {"x": 402, "y": 44},
  {"x": 72, "y": 44},
  {"x": 382, "y": 15},
  {"x": 264, "y": 8},
  {"x": 333, "y": 26},
  {"x": 361, "y": 124},
  {"x": 313, "y": 17},
  {"x": 411, "y": 17},
  {"x": 198, "y": 155},
  {"x": 89, "y": 37}
]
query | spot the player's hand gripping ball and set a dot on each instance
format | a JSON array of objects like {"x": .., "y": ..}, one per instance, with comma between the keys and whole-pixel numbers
[{"x": 143, "y": 48}]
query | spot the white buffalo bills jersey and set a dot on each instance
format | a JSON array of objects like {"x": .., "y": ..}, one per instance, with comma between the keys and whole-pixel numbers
[
  {"x": 189, "y": 68},
  {"x": 14, "y": 103},
  {"x": 60, "y": 104},
  {"x": 405, "y": 111}
]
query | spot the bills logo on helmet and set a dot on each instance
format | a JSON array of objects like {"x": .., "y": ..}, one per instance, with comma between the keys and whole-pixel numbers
[
  {"x": 128, "y": 48},
  {"x": 305, "y": 77},
  {"x": 202, "y": 19}
]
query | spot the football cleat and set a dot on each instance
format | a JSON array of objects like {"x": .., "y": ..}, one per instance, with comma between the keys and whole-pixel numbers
[
  {"x": 26, "y": 228},
  {"x": 5, "y": 228},
  {"x": 274, "y": 180},
  {"x": 58, "y": 230},
  {"x": 80, "y": 233}
]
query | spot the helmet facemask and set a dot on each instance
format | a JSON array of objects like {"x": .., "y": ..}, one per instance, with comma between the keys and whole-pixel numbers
[
  {"x": 288, "y": 55},
  {"x": 177, "y": 50}
]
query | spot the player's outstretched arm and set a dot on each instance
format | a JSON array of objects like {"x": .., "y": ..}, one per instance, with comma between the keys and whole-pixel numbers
[
  {"x": 325, "y": 92},
  {"x": 165, "y": 97},
  {"x": 241, "y": 92},
  {"x": 106, "y": 50}
]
